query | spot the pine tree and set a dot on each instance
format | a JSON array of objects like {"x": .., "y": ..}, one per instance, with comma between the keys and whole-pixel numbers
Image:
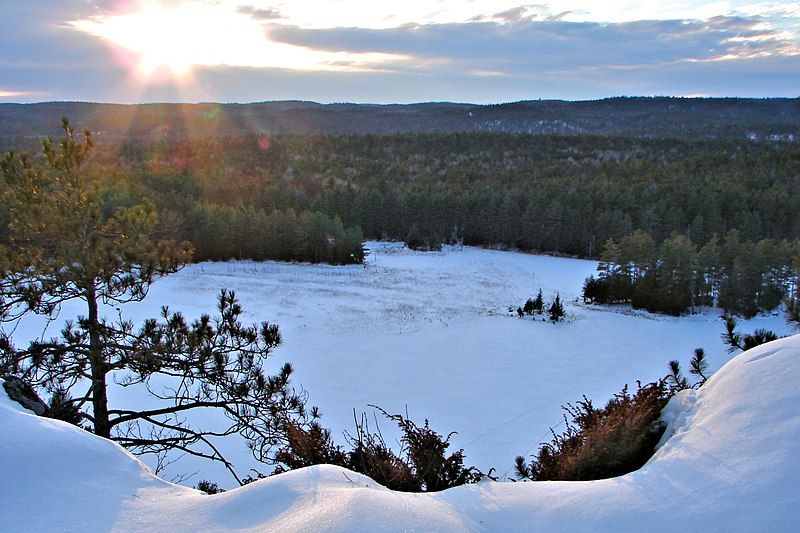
[
  {"x": 556, "y": 310},
  {"x": 699, "y": 366},
  {"x": 739, "y": 341},
  {"x": 675, "y": 378},
  {"x": 538, "y": 303},
  {"x": 62, "y": 247},
  {"x": 730, "y": 336},
  {"x": 528, "y": 307}
]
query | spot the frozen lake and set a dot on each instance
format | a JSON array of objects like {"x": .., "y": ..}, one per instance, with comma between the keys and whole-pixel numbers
[{"x": 431, "y": 333}]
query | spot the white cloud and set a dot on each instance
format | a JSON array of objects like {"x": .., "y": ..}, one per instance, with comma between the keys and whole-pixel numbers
[
  {"x": 13, "y": 94},
  {"x": 183, "y": 35},
  {"x": 377, "y": 15}
]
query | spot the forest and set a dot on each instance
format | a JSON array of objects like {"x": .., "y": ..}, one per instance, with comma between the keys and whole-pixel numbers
[
  {"x": 724, "y": 210},
  {"x": 741, "y": 277}
]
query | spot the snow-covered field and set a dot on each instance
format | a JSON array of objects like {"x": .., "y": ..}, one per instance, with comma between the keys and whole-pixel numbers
[
  {"x": 729, "y": 462},
  {"x": 430, "y": 332}
]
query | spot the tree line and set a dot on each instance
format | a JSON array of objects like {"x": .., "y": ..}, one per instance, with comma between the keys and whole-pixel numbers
[
  {"x": 741, "y": 277},
  {"x": 547, "y": 193},
  {"x": 221, "y": 232},
  {"x": 313, "y": 198}
]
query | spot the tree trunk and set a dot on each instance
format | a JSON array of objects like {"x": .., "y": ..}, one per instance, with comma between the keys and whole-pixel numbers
[{"x": 98, "y": 368}]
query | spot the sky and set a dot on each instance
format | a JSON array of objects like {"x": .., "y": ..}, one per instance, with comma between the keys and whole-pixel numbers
[{"x": 481, "y": 51}]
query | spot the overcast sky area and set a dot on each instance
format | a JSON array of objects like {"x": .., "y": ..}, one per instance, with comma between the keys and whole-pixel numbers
[{"x": 481, "y": 51}]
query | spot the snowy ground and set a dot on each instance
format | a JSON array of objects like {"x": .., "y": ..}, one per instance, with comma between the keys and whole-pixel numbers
[
  {"x": 729, "y": 462},
  {"x": 431, "y": 332}
]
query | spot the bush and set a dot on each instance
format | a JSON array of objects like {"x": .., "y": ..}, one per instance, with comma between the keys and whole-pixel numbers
[
  {"x": 602, "y": 443},
  {"x": 307, "y": 446},
  {"x": 372, "y": 457},
  {"x": 208, "y": 487},
  {"x": 426, "y": 453},
  {"x": 421, "y": 465}
]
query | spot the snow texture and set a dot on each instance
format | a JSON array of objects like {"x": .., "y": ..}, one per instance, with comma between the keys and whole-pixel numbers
[{"x": 730, "y": 463}]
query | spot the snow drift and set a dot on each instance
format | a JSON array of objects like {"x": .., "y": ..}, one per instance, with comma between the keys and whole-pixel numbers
[{"x": 730, "y": 460}]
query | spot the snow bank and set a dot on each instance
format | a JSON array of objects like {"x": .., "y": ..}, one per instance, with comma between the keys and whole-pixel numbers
[{"x": 731, "y": 462}]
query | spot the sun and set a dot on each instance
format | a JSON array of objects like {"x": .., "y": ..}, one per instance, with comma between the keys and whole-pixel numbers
[{"x": 177, "y": 37}]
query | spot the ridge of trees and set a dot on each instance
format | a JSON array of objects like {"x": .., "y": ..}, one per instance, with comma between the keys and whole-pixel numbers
[
  {"x": 563, "y": 194},
  {"x": 661, "y": 117}
]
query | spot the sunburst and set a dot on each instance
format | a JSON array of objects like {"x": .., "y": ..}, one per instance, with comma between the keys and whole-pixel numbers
[{"x": 178, "y": 37}]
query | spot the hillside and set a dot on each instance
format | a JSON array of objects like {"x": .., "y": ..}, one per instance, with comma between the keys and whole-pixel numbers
[
  {"x": 730, "y": 461},
  {"x": 662, "y": 117}
]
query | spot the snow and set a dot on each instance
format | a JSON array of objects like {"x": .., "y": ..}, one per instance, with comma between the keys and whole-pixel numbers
[
  {"x": 730, "y": 462},
  {"x": 430, "y": 332}
]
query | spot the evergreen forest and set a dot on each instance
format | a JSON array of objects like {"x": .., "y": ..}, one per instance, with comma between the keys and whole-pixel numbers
[{"x": 677, "y": 223}]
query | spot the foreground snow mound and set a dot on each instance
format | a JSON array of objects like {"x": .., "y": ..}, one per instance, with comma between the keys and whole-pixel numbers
[{"x": 730, "y": 461}]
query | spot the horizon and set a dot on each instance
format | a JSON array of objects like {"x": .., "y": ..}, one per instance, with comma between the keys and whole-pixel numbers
[{"x": 410, "y": 103}]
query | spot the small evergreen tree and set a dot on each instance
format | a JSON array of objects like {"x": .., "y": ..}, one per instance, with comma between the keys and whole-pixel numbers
[
  {"x": 556, "y": 310},
  {"x": 758, "y": 337},
  {"x": 528, "y": 307},
  {"x": 538, "y": 303},
  {"x": 699, "y": 366},
  {"x": 675, "y": 378},
  {"x": 730, "y": 337}
]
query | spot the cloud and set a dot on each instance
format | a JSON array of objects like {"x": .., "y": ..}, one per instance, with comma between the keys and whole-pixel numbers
[
  {"x": 517, "y": 14},
  {"x": 508, "y": 54},
  {"x": 13, "y": 94},
  {"x": 268, "y": 14},
  {"x": 552, "y": 45},
  {"x": 560, "y": 16}
]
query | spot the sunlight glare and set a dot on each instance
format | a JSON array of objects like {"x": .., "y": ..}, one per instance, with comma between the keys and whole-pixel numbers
[{"x": 179, "y": 37}]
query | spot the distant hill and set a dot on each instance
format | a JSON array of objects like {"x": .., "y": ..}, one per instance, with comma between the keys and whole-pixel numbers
[{"x": 660, "y": 117}]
